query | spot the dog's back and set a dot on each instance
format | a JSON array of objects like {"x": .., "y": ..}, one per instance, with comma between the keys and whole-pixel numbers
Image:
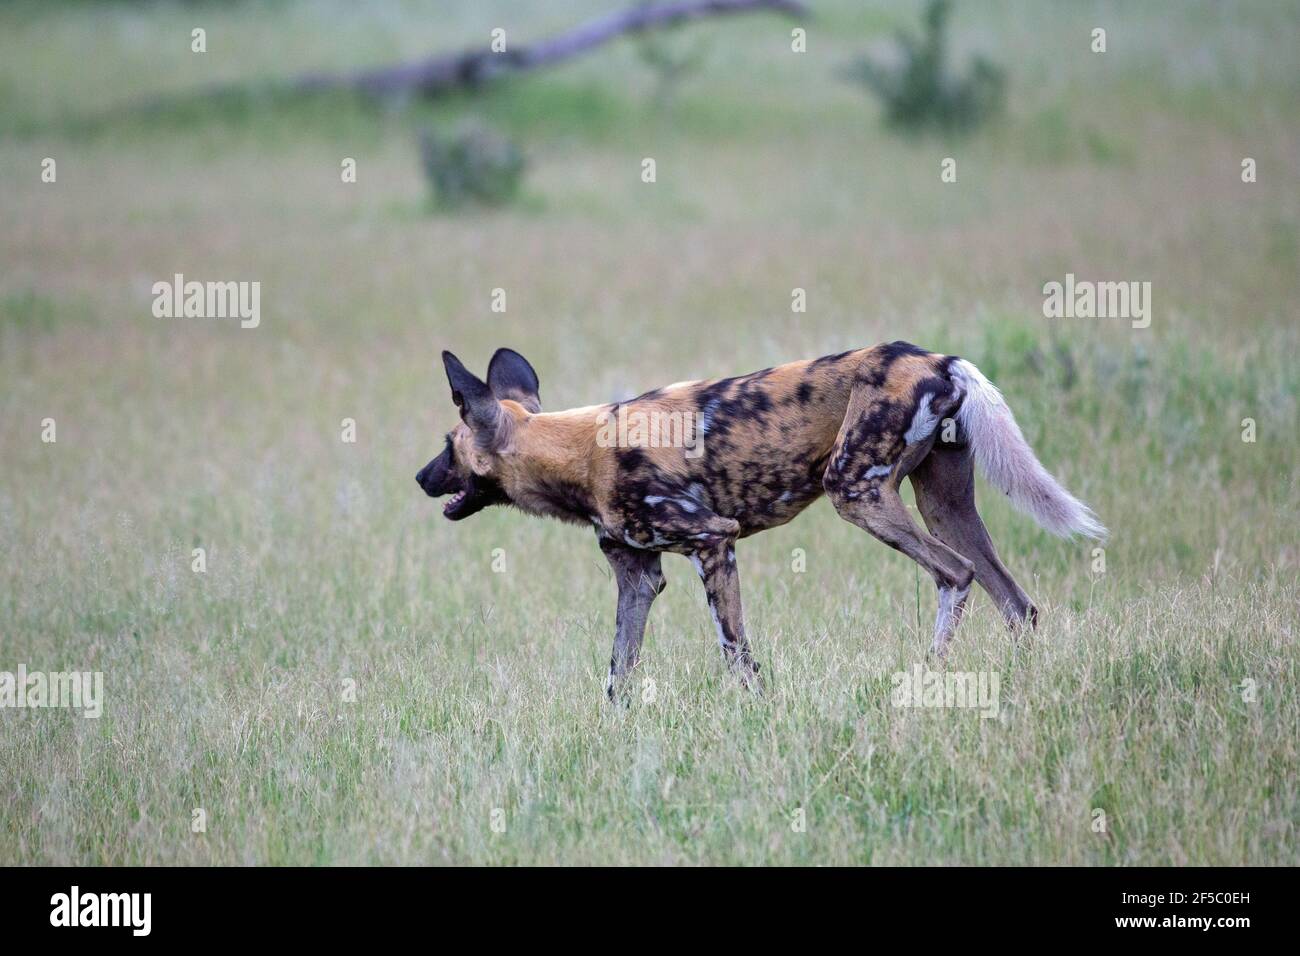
[{"x": 765, "y": 439}]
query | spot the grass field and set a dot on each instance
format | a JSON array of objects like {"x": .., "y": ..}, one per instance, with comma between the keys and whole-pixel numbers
[{"x": 1160, "y": 689}]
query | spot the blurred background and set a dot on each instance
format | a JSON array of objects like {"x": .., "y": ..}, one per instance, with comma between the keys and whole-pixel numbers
[{"x": 795, "y": 147}]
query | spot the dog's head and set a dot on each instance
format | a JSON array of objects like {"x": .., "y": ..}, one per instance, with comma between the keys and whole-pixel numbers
[{"x": 469, "y": 468}]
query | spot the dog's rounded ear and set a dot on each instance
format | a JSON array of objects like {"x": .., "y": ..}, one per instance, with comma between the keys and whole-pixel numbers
[
  {"x": 478, "y": 407},
  {"x": 510, "y": 376}
]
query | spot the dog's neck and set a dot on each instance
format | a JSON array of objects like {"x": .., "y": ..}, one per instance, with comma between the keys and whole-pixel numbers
[{"x": 553, "y": 462}]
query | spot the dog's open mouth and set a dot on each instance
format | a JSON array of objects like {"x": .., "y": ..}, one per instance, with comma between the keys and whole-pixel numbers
[
  {"x": 454, "y": 502},
  {"x": 469, "y": 494},
  {"x": 477, "y": 495}
]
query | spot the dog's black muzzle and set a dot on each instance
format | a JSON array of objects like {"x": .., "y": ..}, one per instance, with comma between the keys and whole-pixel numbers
[{"x": 468, "y": 496}]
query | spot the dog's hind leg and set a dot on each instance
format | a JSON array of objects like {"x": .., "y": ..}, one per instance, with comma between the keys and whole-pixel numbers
[
  {"x": 944, "y": 483},
  {"x": 640, "y": 580},
  {"x": 885, "y": 516},
  {"x": 885, "y": 434}
]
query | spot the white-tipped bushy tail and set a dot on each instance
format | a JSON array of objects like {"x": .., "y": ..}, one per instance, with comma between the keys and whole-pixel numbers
[{"x": 1007, "y": 461}]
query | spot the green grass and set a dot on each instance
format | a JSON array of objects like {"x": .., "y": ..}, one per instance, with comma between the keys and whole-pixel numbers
[{"x": 479, "y": 691}]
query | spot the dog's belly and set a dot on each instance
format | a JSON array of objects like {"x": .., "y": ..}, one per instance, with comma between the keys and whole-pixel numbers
[
  {"x": 768, "y": 492},
  {"x": 761, "y": 515}
]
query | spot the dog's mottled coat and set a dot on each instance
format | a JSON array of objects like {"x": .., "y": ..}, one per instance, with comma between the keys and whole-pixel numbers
[{"x": 850, "y": 426}]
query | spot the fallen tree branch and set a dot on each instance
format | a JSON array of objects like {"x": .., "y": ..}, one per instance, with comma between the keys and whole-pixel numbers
[
  {"x": 443, "y": 74},
  {"x": 437, "y": 75}
]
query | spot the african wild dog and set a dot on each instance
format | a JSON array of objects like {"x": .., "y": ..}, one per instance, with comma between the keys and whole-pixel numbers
[{"x": 851, "y": 425}]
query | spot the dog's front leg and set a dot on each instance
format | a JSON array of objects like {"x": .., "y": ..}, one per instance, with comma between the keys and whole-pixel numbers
[
  {"x": 640, "y": 580},
  {"x": 715, "y": 560}
]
